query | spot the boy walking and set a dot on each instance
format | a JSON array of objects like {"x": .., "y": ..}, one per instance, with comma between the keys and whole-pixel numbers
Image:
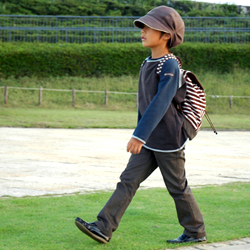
[{"x": 158, "y": 140}]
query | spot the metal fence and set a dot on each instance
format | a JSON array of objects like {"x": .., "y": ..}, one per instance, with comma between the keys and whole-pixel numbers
[{"x": 95, "y": 29}]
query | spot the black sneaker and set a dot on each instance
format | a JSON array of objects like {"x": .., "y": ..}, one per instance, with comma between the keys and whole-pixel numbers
[
  {"x": 91, "y": 230},
  {"x": 185, "y": 239}
]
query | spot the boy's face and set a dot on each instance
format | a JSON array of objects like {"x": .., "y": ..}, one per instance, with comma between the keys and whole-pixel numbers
[{"x": 153, "y": 38}]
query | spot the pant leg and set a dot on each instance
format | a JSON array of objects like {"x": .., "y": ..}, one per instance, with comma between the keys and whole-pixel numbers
[
  {"x": 173, "y": 172},
  {"x": 139, "y": 167}
]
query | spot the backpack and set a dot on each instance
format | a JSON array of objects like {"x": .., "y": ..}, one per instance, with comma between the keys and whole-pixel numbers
[{"x": 190, "y": 99}]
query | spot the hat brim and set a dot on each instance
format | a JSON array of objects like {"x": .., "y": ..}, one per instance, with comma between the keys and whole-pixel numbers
[{"x": 151, "y": 22}]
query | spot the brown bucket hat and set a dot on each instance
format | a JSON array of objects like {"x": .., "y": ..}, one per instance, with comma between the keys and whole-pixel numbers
[{"x": 165, "y": 19}]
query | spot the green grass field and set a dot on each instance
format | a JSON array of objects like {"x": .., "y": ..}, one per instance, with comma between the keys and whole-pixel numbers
[
  {"x": 56, "y": 110},
  {"x": 218, "y": 88},
  {"x": 48, "y": 222},
  {"x": 81, "y": 118}
]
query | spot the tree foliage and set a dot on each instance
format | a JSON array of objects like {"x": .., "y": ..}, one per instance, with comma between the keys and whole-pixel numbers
[{"x": 114, "y": 7}]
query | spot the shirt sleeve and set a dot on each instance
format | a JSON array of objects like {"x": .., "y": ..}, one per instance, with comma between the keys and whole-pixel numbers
[{"x": 167, "y": 88}]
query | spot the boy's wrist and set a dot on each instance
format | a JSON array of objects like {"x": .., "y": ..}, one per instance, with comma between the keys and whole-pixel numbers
[{"x": 139, "y": 139}]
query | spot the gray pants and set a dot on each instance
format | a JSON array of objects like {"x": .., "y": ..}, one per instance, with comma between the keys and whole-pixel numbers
[{"x": 138, "y": 169}]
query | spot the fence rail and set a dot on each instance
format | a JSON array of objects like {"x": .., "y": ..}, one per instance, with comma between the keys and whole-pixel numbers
[
  {"x": 104, "y": 92},
  {"x": 95, "y": 29}
]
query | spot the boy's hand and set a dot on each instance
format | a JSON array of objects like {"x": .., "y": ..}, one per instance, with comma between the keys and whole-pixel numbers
[{"x": 134, "y": 146}]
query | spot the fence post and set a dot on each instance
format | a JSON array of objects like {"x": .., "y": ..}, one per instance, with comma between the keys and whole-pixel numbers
[
  {"x": 106, "y": 97},
  {"x": 231, "y": 101},
  {"x": 40, "y": 95},
  {"x": 73, "y": 97},
  {"x": 6, "y": 94}
]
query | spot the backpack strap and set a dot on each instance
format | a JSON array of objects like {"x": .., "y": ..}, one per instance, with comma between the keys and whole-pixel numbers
[{"x": 164, "y": 59}]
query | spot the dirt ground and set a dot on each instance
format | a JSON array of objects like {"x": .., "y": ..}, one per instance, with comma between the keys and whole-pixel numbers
[{"x": 58, "y": 161}]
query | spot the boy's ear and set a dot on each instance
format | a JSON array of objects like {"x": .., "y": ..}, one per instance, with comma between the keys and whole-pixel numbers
[{"x": 166, "y": 36}]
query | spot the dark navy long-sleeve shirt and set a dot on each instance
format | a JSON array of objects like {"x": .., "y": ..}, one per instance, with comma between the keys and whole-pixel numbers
[{"x": 159, "y": 124}]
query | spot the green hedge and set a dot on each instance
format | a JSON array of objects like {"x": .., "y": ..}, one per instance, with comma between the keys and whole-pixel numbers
[
  {"x": 214, "y": 56},
  {"x": 45, "y": 60}
]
